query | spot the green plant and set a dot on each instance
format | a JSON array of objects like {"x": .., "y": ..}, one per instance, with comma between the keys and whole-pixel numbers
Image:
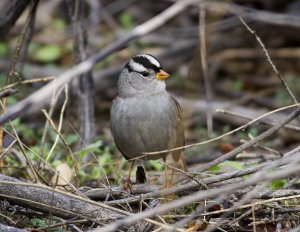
[
  {"x": 277, "y": 184},
  {"x": 126, "y": 20},
  {"x": 47, "y": 53},
  {"x": 37, "y": 223}
]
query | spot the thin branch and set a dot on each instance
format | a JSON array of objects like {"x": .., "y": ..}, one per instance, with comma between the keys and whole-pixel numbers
[
  {"x": 46, "y": 127},
  {"x": 8, "y": 92},
  {"x": 13, "y": 12},
  {"x": 252, "y": 142},
  {"x": 31, "y": 81},
  {"x": 75, "y": 190},
  {"x": 12, "y": 67},
  {"x": 248, "y": 196},
  {"x": 267, "y": 122},
  {"x": 65, "y": 205},
  {"x": 8, "y": 148},
  {"x": 66, "y": 145},
  {"x": 32, "y": 172},
  {"x": 151, "y": 192},
  {"x": 255, "y": 15},
  {"x": 270, "y": 61},
  {"x": 102, "y": 173},
  {"x": 263, "y": 176},
  {"x": 257, "y": 203},
  {"x": 61, "y": 118},
  {"x": 21, "y": 41},
  {"x": 205, "y": 72}
]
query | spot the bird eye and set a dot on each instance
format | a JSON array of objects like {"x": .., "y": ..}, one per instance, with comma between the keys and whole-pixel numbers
[{"x": 145, "y": 74}]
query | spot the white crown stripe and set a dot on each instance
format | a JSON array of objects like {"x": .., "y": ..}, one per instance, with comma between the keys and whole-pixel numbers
[
  {"x": 152, "y": 60},
  {"x": 137, "y": 67}
]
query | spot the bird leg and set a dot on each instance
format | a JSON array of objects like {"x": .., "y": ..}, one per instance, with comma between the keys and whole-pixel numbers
[
  {"x": 173, "y": 170},
  {"x": 128, "y": 184},
  {"x": 130, "y": 170},
  {"x": 168, "y": 183}
]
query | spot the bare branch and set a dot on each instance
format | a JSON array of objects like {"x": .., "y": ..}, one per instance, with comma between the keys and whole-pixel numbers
[
  {"x": 205, "y": 72},
  {"x": 270, "y": 61},
  {"x": 260, "y": 177}
]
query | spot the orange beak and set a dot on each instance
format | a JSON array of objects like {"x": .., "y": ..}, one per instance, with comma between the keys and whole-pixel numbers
[{"x": 162, "y": 75}]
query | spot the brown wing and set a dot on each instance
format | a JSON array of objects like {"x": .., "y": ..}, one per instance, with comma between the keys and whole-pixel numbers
[{"x": 180, "y": 140}]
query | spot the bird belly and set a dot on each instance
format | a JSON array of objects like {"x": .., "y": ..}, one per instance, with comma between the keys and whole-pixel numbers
[{"x": 143, "y": 125}]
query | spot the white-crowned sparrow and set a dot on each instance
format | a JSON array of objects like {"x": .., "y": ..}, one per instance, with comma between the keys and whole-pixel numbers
[{"x": 144, "y": 117}]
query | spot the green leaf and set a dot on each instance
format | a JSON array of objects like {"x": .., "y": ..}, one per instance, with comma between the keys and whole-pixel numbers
[
  {"x": 49, "y": 53},
  {"x": 254, "y": 131},
  {"x": 282, "y": 97},
  {"x": 59, "y": 23},
  {"x": 3, "y": 49},
  {"x": 104, "y": 158},
  {"x": 155, "y": 165},
  {"x": 72, "y": 139},
  {"x": 36, "y": 222},
  {"x": 126, "y": 20},
  {"x": 214, "y": 168},
  {"x": 277, "y": 184},
  {"x": 11, "y": 101},
  {"x": 237, "y": 85},
  {"x": 94, "y": 147},
  {"x": 55, "y": 163},
  {"x": 232, "y": 164}
]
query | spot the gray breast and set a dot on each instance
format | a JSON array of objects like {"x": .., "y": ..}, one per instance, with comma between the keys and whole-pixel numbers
[{"x": 144, "y": 124}]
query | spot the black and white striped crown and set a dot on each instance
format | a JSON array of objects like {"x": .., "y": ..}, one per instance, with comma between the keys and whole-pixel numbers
[{"x": 143, "y": 62}]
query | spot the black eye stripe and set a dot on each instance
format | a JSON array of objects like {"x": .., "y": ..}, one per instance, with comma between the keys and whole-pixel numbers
[
  {"x": 146, "y": 63},
  {"x": 128, "y": 67}
]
